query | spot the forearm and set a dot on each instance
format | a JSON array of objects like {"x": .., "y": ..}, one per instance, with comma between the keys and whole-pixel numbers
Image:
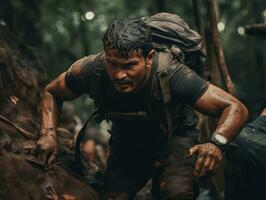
[
  {"x": 231, "y": 120},
  {"x": 232, "y": 113},
  {"x": 232, "y": 116},
  {"x": 50, "y": 110},
  {"x": 54, "y": 95}
]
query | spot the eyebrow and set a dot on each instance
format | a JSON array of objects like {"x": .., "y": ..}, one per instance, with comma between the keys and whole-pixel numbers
[
  {"x": 133, "y": 61},
  {"x": 130, "y": 62}
]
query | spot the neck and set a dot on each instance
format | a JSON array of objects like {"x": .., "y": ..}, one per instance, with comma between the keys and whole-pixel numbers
[{"x": 145, "y": 80}]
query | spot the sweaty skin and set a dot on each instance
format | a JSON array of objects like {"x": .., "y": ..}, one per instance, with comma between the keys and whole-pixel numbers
[
  {"x": 54, "y": 95},
  {"x": 214, "y": 102},
  {"x": 135, "y": 68},
  {"x": 128, "y": 73},
  {"x": 232, "y": 113}
]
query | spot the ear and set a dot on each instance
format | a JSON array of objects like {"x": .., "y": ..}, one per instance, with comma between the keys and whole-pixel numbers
[{"x": 149, "y": 58}]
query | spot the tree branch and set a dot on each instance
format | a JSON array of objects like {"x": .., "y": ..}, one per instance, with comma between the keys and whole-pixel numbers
[
  {"x": 22, "y": 132},
  {"x": 218, "y": 47}
]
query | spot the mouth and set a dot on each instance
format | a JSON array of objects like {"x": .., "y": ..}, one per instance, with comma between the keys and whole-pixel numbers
[
  {"x": 122, "y": 83},
  {"x": 122, "y": 86}
]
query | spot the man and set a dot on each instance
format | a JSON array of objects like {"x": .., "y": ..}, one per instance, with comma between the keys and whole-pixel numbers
[
  {"x": 246, "y": 163},
  {"x": 139, "y": 146}
]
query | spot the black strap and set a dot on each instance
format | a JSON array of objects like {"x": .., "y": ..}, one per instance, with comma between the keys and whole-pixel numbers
[
  {"x": 137, "y": 116},
  {"x": 94, "y": 116},
  {"x": 160, "y": 64},
  {"x": 163, "y": 62}
]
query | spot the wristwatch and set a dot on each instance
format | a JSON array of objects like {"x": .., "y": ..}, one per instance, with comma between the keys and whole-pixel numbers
[{"x": 220, "y": 141}]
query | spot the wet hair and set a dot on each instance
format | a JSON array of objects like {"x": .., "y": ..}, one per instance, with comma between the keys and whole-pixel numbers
[{"x": 128, "y": 35}]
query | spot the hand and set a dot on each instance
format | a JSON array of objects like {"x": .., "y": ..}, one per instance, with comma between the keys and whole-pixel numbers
[
  {"x": 46, "y": 148},
  {"x": 209, "y": 156}
]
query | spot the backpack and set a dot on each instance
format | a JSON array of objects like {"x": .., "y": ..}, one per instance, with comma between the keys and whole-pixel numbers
[
  {"x": 171, "y": 33},
  {"x": 171, "y": 36}
]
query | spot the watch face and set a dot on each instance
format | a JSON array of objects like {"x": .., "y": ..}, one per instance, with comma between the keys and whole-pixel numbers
[{"x": 220, "y": 139}]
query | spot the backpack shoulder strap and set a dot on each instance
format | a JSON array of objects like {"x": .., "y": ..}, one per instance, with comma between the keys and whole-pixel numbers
[
  {"x": 99, "y": 81},
  {"x": 164, "y": 61}
]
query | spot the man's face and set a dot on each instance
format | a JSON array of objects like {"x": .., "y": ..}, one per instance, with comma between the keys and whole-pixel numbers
[{"x": 128, "y": 73}]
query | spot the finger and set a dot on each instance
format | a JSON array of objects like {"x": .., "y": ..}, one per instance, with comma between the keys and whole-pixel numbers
[
  {"x": 39, "y": 149},
  {"x": 192, "y": 150},
  {"x": 206, "y": 165},
  {"x": 199, "y": 163},
  {"x": 220, "y": 157},
  {"x": 214, "y": 164},
  {"x": 51, "y": 158},
  {"x": 44, "y": 157}
]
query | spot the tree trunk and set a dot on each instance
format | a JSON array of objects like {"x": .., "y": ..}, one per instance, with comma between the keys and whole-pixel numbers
[{"x": 212, "y": 13}]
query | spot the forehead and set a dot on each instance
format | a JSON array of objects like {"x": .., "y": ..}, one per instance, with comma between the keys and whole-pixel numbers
[{"x": 112, "y": 55}]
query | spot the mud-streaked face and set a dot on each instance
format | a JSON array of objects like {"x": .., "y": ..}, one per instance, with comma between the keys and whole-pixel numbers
[{"x": 128, "y": 73}]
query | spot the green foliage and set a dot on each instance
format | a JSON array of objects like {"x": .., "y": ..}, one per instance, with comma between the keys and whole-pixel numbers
[
  {"x": 61, "y": 32},
  {"x": 245, "y": 55}
]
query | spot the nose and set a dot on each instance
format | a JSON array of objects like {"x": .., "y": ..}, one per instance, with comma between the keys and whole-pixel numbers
[{"x": 120, "y": 75}]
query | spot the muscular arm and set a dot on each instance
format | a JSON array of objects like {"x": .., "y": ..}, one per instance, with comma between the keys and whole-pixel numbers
[
  {"x": 231, "y": 112},
  {"x": 54, "y": 95},
  {"x": 69, "y": 85},
  {"x": 188, "y": 87},
  {"x": 232, "y": 116}
]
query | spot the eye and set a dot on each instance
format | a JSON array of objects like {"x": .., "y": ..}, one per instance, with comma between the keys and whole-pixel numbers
[{"x": 129, "y": 65}]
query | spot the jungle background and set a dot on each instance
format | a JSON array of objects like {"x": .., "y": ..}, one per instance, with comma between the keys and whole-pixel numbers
[
  {"x": 58, "y": 32},
  {"x": 41, "y": 39}
]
